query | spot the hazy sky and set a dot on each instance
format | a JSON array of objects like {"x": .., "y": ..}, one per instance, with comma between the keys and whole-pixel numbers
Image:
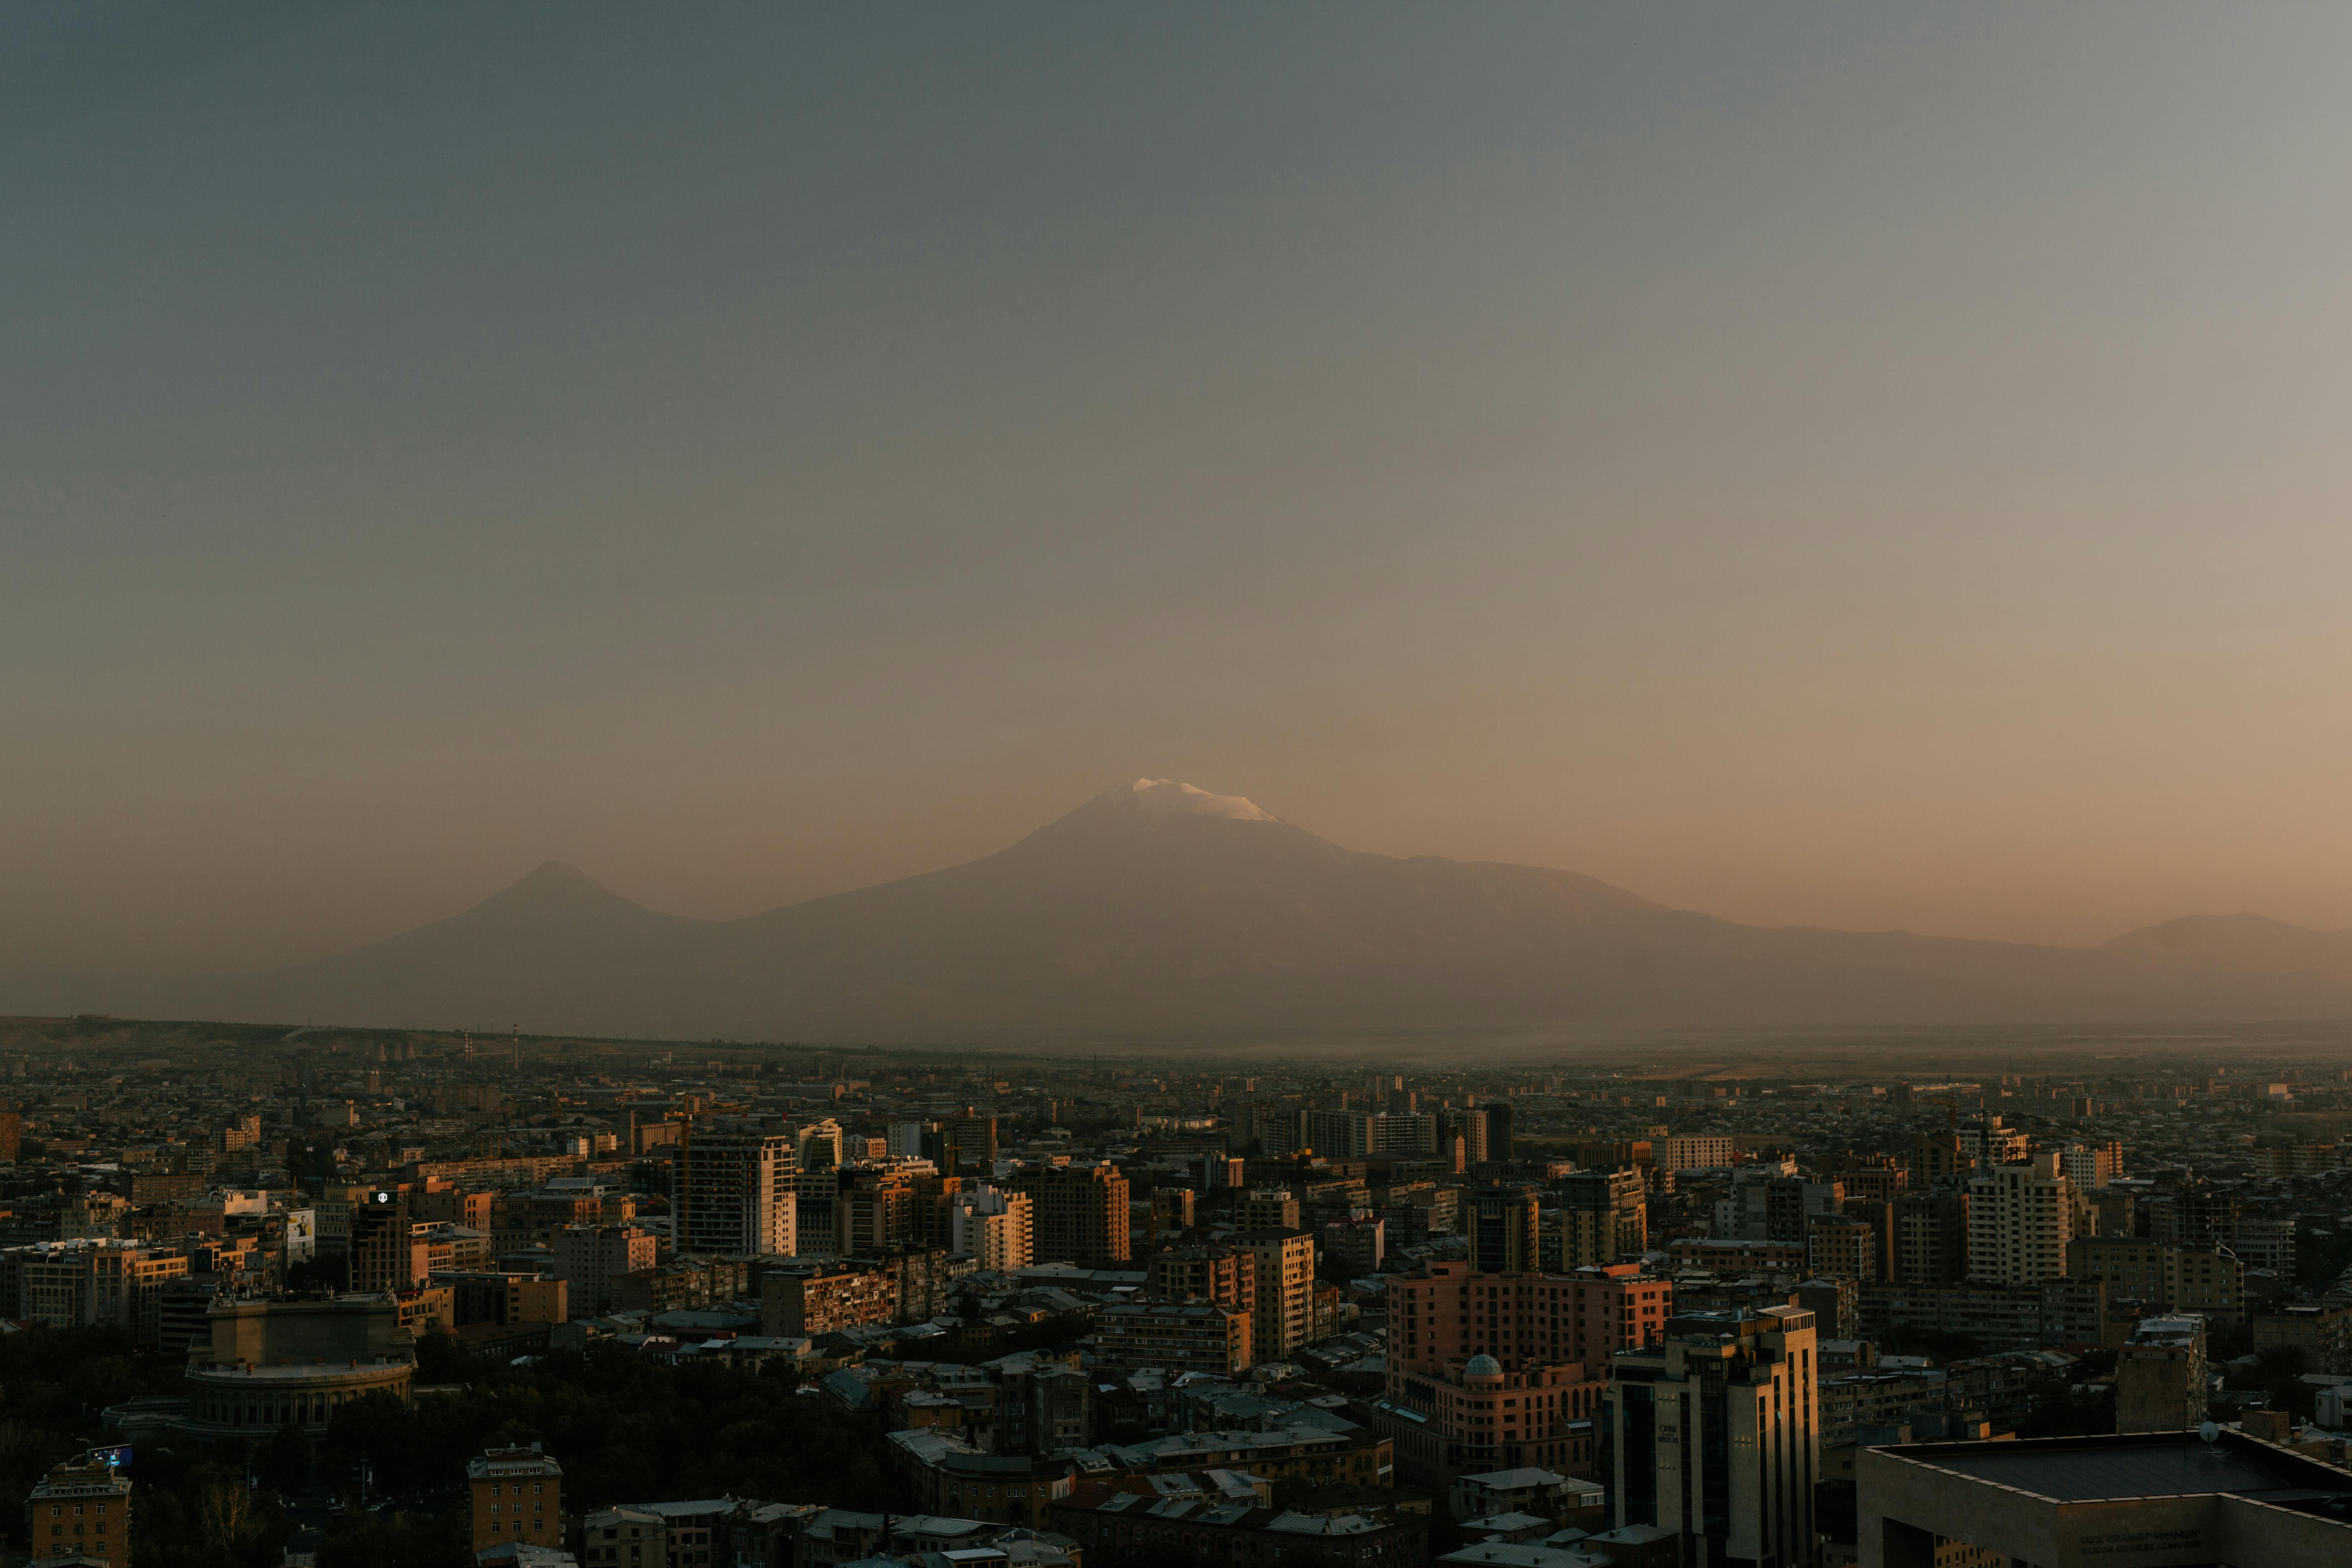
[{"x": 1864, "y": 466}]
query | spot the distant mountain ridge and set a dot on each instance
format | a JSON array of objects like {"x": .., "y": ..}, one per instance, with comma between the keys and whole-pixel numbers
[
  {"x": 2247, "y": 944},
  {"x": 1160, "y": 909}
]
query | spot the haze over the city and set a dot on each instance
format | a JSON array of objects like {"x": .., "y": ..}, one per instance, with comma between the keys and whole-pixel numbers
[{"x": 1815, "y": 466}]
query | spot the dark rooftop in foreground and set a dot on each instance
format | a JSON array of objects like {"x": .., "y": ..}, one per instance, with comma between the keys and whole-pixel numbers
[{"x": 2146, "y": 1464}]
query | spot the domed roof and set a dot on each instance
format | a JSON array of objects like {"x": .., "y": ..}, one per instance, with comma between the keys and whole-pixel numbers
[{"x": 1483, "y": 1366}]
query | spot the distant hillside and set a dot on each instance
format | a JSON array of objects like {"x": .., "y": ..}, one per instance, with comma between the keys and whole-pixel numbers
[
  {"x": 2247, "y": 944},
  {"x": 1156, "y": 908}
]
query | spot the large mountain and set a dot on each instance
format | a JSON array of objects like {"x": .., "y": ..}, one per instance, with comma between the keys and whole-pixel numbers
[{"x": 1158, "y": 907}]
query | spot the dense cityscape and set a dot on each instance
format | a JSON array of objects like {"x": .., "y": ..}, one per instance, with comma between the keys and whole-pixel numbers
[
  {"x": 1054, "y": 785},
  {"x": 353, "y": 1297}
]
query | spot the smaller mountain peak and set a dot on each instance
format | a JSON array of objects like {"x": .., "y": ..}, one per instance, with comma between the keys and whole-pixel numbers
[{"x": 1165, "y": 798}]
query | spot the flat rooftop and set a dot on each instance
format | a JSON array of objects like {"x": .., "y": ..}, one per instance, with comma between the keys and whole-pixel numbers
[{"x": 2154, "y": 1464}]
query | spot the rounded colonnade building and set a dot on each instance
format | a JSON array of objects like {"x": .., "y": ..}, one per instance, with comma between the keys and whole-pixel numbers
[{"x": 276, "y": 1364}]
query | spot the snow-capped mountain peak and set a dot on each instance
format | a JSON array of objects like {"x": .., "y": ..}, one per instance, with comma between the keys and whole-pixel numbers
[{"x": 1166, "y": 797}]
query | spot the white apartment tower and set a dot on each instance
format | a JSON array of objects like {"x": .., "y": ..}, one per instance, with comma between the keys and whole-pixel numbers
[
  {"x": 991, "y": 1227},
  {"x": 2021, "y": 1219}
]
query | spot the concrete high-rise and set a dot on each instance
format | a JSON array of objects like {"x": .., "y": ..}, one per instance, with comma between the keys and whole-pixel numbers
[
  {"x": 1603, "y": 1216},
  {"x": 1499, "y": 1140},
  {"x": 735, "y": 1194},
  {"x": 1337, "y": 1134},
  {"x": 994, "y": 1228},
  {"x": 384, "y": 1255},
  {"x": 873, "y": 1210},
  {"x": 1931, "y": 1238},
  {"x": 968, "y": 1143},
  {"x": 2164, "y": 1276},
  {"x": 1283, "y": 1304},
  {"x": 817, "y": 1145},
  {"x": 1501, "y": 1223},
  {"x": 1080, "y": 1213},
  {"x": 1471, "y": 1125},
  {"x": 594, "y": 1260},
  {"x": 2021, "y": 1219},
  {"x": 1718, "y": 1435},
  {"x": 1225, "y": 1274},
  {"x": 1267, "y": 1208}
]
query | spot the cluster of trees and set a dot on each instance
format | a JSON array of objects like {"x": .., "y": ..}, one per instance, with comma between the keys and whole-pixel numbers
[
  {"x": 386, "y": 1485},
  {"x": 189, "y": 1509},
  {"x": 624, "y": 1428}
]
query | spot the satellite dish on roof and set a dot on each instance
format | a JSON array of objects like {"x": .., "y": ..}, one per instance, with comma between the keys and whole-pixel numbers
[{"x": 2209, "y": 1432}]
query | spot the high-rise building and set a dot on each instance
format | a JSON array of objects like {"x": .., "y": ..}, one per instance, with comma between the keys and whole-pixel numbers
[
  {"x": 1763, "y": 1207},
  {"x": 1695, "y": 1152},
  {"x": 1931, "y": 1238},
  {"x": 1873, "y": 1178},
  {"x": 1471, "y": 1126},
  {"x": 817, "y": 1145},
  {"x": 873, "y": 1210},
  {"x": 2166, "y": 1275},
  {"x": 1337, "y": 1134},
  {"x": 1603, "y": 1216},
  {"x": 1401, "y": 1132},
  {"x": 2160, "y": 1376},
  {"x": 813, "y": 1197},
  {"x": 1267, "y": 1208},
  {"x": 968, "y": 1143},
  {"x": 1080, "y": 1213},
  {"x": 2265, "y": 1241},
  {"x": 994, "y": 1228},
  {"x": 2093, "y": 1165},
  {"x": 518, "y": 1496},
  {"x": 382, "y": 1241},
  {"x": 2321, "y": 1331},
  {"x": 1284, "y": 1290},
  {"x": 1501, "y": 1223},
  {"x": 1205, "y": 1274},
  {"x": 1356, "y": 1244},
  {"x": 1878, "y": 1214},
  {"x": 1172, "y": 1209},
  {"x": 930, "y": 1223},
  {"x": 1843, "y": 1246},
  {"x": 593, "y": 1260},
  {"x": 1499, "y": 1141},
  {"x": 1988, "y": 1142},
  {"x": 2021, "y": 1219},
  {"x": 1716, "y": 1435},
  {"x": 735, "y": 1194},
  {"x": 1936, "y": 1155}
]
